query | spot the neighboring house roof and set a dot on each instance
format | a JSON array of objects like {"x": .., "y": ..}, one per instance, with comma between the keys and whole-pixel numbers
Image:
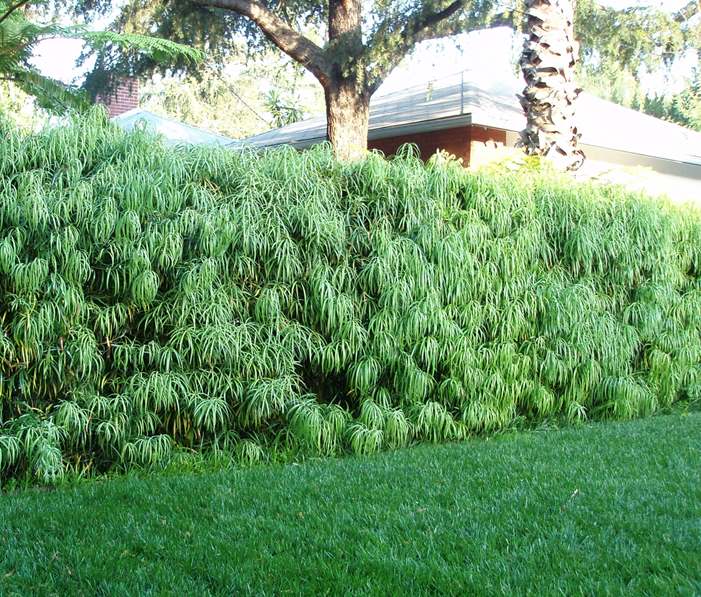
[
  {"x": 173, "y": 131},
  {"x": 461, "y": 99}
]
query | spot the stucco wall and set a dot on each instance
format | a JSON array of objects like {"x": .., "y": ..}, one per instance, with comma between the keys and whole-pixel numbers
[
  {"x": 486, "y": 145},
  {"x": 656, "y": 176}
]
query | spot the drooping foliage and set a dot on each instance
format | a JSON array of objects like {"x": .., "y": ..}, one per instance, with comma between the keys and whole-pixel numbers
[{"x": 154, "y": 298}]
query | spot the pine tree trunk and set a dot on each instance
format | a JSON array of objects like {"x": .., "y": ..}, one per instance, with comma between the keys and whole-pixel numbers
[
  {"x": 548, "y": 64},
  {"x": 347, "y": 115}
]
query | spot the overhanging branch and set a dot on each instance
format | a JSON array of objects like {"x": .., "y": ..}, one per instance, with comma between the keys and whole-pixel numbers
[
  {"x": 293, "y": 43},
  {"x": 12, "y": 9}
]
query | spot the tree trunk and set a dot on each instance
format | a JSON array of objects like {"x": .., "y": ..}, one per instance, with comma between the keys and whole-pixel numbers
[
  {"x": 548, "y": 64},
  {"x": 347, "y": 114},
  {"x": 346, "y": 92}
]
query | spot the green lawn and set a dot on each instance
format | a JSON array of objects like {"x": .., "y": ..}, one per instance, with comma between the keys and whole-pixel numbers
[{"x": 606, "y": 509}]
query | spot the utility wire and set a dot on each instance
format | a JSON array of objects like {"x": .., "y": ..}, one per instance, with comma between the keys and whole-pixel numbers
[{"x": 231, "y": 89}]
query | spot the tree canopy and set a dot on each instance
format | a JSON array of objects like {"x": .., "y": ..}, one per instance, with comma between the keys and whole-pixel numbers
[
  {"x": 631, "y": 38},
  {"x": 618, "y": 46},
  {"x": 388, "y": 29},
  {"x": 635, "y": 37},
  {"x": 21, "y": 30}
]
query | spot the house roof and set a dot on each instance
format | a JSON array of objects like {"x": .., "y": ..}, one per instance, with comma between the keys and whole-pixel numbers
[
  {"x": 469, "y": 98},
  {"x": 173, "y": 131}
]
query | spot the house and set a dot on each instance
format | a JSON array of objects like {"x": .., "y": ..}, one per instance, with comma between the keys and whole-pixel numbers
[
  {"x": 123, "y": 108},
  {"x": 475, "y": 118}
]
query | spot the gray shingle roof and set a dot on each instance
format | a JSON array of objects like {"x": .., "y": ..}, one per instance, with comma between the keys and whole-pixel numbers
[{"x": 462, "y": 98}]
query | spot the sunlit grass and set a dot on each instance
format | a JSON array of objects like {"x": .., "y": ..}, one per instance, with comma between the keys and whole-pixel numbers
[{"x": 607, "y": 509}]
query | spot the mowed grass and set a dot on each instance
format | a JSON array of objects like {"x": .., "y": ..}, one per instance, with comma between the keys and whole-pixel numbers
[{"x": 612, "y": 508}]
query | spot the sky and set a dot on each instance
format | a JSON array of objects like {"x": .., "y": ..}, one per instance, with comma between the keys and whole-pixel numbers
[{"x": 493, "y": 48}]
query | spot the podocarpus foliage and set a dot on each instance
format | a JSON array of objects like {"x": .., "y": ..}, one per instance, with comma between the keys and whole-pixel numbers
[{"x": 258, "y": 304}]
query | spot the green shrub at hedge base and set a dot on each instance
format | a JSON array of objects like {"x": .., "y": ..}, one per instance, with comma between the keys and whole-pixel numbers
[{"x": 258, "y": 304}]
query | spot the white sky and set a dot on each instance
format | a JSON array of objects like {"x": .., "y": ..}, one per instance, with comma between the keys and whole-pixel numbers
[{"x": 489, "y": 52}]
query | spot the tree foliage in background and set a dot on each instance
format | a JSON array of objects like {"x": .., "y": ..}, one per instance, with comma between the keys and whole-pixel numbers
[
  {"x": 21, "y": 31},
  {"x": 637, "y": 36},
  {"x": 264, "y": 305},
  {"x": 264, "y": 94},
  {"x": 683, "y": 108},
  {"x": 282, "y": 108},
  {"x": 619, "y": 46},
  {"x": 21, "y": 108}
]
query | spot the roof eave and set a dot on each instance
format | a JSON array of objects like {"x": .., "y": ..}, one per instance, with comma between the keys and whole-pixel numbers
[{"x": 374, "y": 134}]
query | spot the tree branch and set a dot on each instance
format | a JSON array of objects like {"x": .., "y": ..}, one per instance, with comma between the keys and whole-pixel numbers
[
  {"x": 429, "y": 28},
  {"x": 293, "y": 43},
  {"x": 415, "y": 29},
  {"x": 12, "y": 9}
]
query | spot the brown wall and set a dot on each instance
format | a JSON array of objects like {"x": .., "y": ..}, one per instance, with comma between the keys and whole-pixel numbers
[
  {"x": 485, "y": 145},
  {"x": 455, "y": 141},
  {"x": 475, "y": 145}
]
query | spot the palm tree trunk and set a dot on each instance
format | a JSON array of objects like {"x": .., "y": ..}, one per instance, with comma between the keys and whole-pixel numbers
[{"x": 548, "y": 63}]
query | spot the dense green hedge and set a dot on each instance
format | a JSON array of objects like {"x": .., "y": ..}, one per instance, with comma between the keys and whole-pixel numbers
[{"x": 271, "y": 303}]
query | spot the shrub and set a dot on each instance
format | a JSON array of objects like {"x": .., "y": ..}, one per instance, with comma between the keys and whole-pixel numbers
[{"x": 278, "y": 303}]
